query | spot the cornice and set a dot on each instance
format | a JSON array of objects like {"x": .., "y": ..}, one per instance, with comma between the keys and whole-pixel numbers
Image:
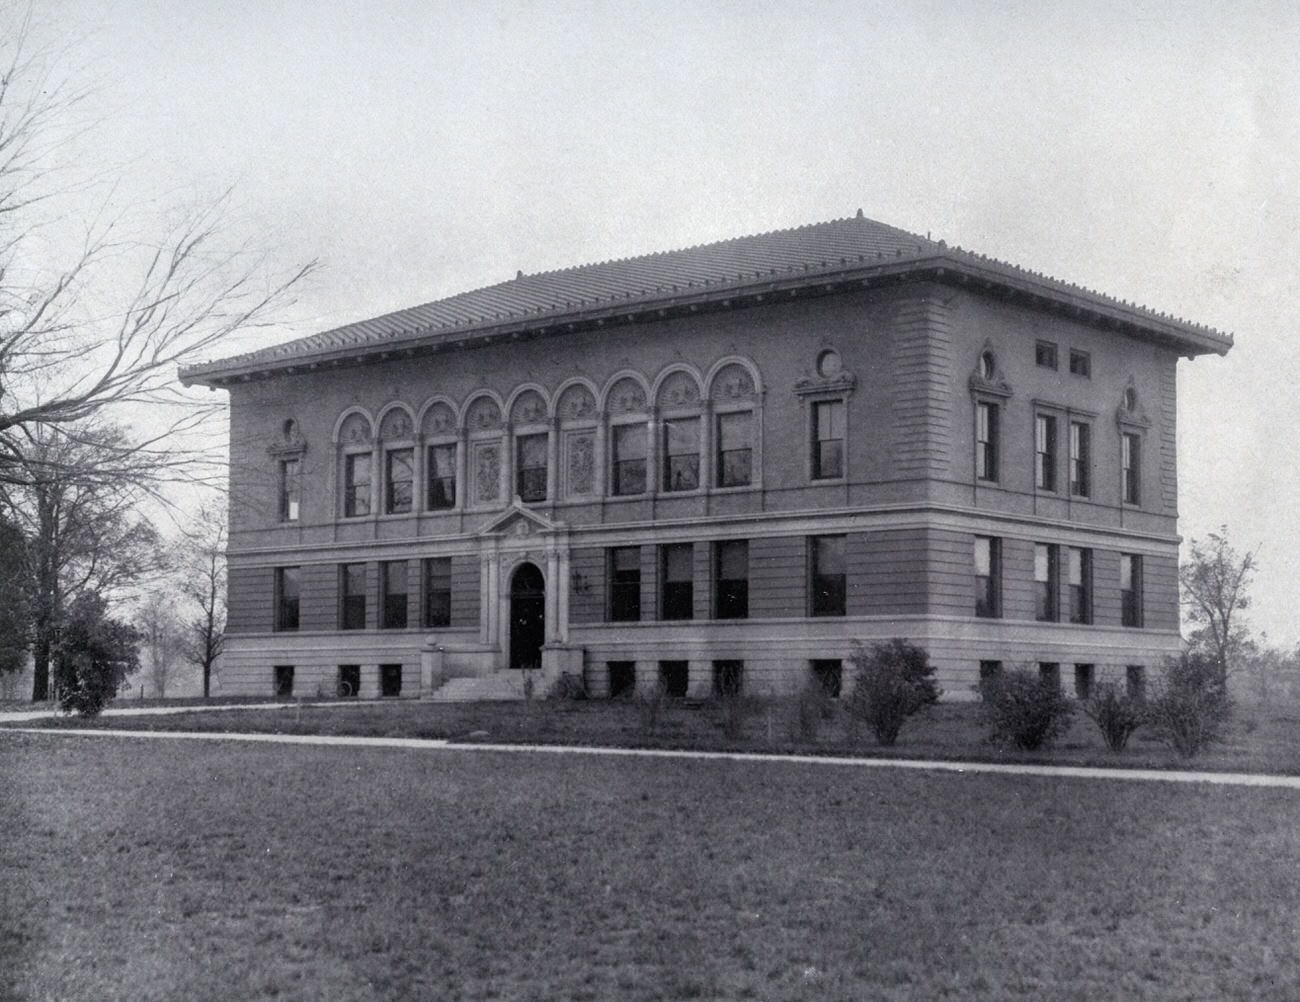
[{"x": 953, "y": 267}]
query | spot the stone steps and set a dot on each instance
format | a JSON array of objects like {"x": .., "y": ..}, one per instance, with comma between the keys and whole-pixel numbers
[{"x": 498, "y": 687}]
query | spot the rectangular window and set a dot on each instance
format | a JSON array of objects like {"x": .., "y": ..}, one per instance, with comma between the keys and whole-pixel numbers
[
  {"x": 390, "y": 680},
  {"x": 288, "y": 586},
  {"x": 437, "y": 592},
  {"x": 394, "y": 576},
  {"x": 677, "y": 600},
  {"x": 728, "y": 678},
  {"x": 349, "y": 681},
  {"x": 829, "y": 673},
  {"x": 625, "y": 584},
  {"x": 283, "y": 681},
  {"x": 1049, "y": 674},
  {"x": 988, "y": 585},
  {"x": 442, "y": 477},
  {"x": 989, "y": 670},
  {"x": 735, "y": 449},
  {"x": 681, "y": 460},
  {"x": 352, "y": 580},
  {"x": 674, "y": 676},
  {"x": 828, "y": 439},
  {"x": 530, "y": 467},
  {"x": 1079, "y": 573},
  {"x": 1080, "y": 459},
  {"x": 1130, "y": 589},
  {"x": 1135, "y": 679},
  {"x": 1080, "y": 363},
  {"x": 399, "y": 481},
  {"x": 356, "y": 485},
  {"x": 826, "y": 558},
  {"x": 1045, "y": 452},
  {"x": 986, "y": 441},
  {"x": 1046, "y": 575},
  {"x": 731, "y": 567},
  {"x": 622, "y": 678},
  {"x": 1045, "y": 354},
  {"x": 629, "y": 458},
  {"x": 1083, "y": 681},
  {"x": 1131, "y": 468},
  {"x": 289, "y": 489}
]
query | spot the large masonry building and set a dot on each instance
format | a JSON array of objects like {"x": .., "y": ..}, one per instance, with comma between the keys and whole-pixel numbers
[{"x": 712, "y": 469}]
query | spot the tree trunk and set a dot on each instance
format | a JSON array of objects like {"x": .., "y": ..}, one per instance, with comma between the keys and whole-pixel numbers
[{"x": 41, "y": 670}]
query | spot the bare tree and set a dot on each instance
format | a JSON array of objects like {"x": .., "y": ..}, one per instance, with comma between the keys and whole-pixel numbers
[
  {"x": 1215, "y": 581},
  {"x": 204, "y": 570},
  {"x": 75, "y": 337},
  {"x": 161, "y": 631}
]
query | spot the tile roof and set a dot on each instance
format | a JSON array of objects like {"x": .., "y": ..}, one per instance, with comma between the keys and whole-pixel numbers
[{"x": 815, "y": 250}]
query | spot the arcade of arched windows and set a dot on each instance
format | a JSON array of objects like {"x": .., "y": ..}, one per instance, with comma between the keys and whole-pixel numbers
[{"x": 683, "y": 432}]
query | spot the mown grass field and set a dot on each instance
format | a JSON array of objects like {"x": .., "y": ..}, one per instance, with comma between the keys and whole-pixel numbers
[
  {"x": 149, "y": 870},
  {"x": 1258, "y": 739}
]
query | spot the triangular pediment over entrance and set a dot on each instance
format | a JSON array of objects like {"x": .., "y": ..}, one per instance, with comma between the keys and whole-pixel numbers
[{"x": 518, "y": 521}]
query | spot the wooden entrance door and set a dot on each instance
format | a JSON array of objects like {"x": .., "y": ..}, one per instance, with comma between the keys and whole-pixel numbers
[{"x": 527, "y": 617}]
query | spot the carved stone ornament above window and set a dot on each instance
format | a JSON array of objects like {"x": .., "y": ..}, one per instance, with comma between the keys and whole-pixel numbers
[
  {"x": 987, "y": 377},
  {"x": 396, "y": 425},
  {"x": 355, "y": 431},
  {"x": 733, "y": 383},
  {"x": 483, "y": 415},
  {"x": 289, "y": 442},
  {"x": 530, "y": 408},
  {"x": 679, "y": 390},
  {"x": 626, "y": 397},
  {"x": 841, "y": 382},
  {"x": 577, "y": 404},
  {"x": 1130, "y": 411},
  {"x": 439, "y": 420}
]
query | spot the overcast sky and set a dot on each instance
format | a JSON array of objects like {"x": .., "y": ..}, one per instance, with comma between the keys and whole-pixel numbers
[{"x": 1148, "y": 150}]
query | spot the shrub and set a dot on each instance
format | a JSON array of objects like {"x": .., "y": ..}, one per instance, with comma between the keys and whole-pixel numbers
[
  {"x": 1024, "y": 710},
  {"x": 731, "y": 710},
  {"x": 809, "y": 708},
  {"x": 567, "y": 686},
  {"x": 651, "y": 701},
  {"x": 1191, "y": 707},
  {"x": 1116, "y": 714},
  {"x": 93, "y": 657},
  {"x": 892, "y": 681}
]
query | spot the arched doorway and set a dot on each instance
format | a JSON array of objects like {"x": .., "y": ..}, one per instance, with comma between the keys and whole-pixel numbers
[{"x": 527, "y": 617}]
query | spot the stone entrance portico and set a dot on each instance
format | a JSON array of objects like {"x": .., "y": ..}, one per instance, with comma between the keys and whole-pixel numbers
[{"x": 514, "y": 540}]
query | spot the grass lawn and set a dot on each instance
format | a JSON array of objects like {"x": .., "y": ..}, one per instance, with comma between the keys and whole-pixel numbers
[
  {"x": 1259, "y": 739},
  {"x": 148, "y": 871}
]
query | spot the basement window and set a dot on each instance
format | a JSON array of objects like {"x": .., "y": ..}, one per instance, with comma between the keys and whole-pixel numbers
[{"x": 622, "y": 679}]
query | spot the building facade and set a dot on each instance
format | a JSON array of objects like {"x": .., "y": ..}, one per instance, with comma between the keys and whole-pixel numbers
[{"x": 713, "y": 469}]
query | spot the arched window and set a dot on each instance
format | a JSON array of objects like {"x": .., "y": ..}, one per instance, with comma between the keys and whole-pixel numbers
[
  {"x": 356, "y": 456},
  {"x": 681, "y": 420},
  {"x": 989, "y": 393},
  {"x": 629, "y": 438},
  {"x": 397, "y": 435},
  {"x": 286, "y": 451},
  {"x": 530, "y": 430},
  {"x": 441, "y": 457},
  {"x": 734, "y": 400}
]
